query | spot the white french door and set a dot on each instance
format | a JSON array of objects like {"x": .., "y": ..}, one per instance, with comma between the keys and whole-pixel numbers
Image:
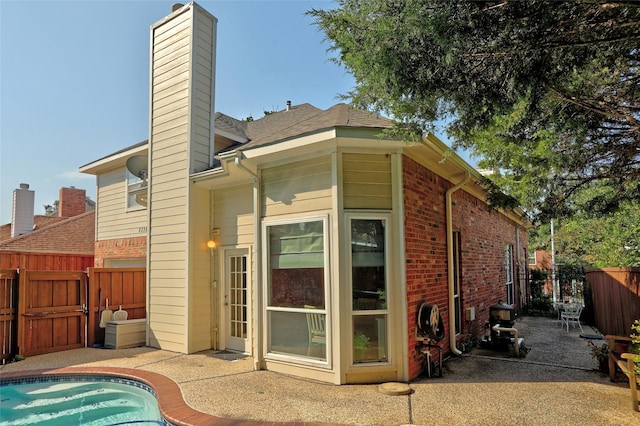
[{"x": 235, "y": 300}]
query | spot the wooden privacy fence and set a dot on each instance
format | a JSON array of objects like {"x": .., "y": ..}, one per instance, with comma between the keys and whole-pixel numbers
[
  {"x": 123, "y": 287},
  {"x": 45, "y": 261},
  {"x": 8, "y": 309},
  {"x": 50, "y": 311},
  {"x": 616, "y": 298}
]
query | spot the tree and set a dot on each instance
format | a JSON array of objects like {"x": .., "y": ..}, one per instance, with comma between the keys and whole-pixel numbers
[
  {"x": 613, "y": 240},
  {"x": 546, "y": 92},
  {"x": 51, "y": 209},
  {"x": 594, "y": 242}
]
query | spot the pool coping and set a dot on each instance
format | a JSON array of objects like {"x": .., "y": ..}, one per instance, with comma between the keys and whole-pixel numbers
[{"x": 169, "y": 395}]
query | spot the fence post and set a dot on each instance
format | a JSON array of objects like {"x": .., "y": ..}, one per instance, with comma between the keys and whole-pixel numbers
[
  {"x": 21, "y": 308},
  {"x": 92, "y": 307}
]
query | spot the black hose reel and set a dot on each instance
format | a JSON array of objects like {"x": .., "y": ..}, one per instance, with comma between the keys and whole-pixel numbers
[
  {"x": 430, "y": 322},
  {"x": 429, "y": 330}
]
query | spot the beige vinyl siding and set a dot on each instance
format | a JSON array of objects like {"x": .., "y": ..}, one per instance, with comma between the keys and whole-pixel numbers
[
  {"x": 204, "y": 40},
  {"x": 366, "y": 181},
  {"x": 298, "y": 187},
  {"x": 200, "y": 297},
  {"x": 114, "y": 219},
  {"x": 234, "y": 215},
  {"x": 168, "y": 184}
]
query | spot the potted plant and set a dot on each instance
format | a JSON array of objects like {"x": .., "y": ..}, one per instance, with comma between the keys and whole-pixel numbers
[
  {"x": 634, "y": 347},
  {"x": 600, "y": 353},
  {"x": 360, "y": 345}
]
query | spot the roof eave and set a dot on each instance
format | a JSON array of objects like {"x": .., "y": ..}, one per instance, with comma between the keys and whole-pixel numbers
[{"x": 114, "y": 160}]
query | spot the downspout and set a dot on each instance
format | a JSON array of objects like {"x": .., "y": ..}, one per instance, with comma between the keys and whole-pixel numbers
[
  {"x": 450, "y": 271},
  {"x": 522, "y": 270},
  {"x": 257, "y": 259}
]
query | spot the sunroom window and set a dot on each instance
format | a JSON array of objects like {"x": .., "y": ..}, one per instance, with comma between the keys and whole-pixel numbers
[
  {"x": 368, "y": 241},
  {"x": 296, "y": 311}
]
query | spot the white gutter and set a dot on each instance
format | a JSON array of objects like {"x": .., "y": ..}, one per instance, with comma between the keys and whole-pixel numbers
[
  {"x": 450, "y": 271},
  {"x": 257, "y": 259}
]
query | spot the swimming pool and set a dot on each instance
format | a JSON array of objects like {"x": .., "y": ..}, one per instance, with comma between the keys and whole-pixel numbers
[{"x": 78, "y": 400}]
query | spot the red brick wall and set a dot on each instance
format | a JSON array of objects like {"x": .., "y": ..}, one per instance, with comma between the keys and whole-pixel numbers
[
  {"x": 72, "y": 202},
  {"x": 483, "y": 233},
  {"x": 121, "y": 248}
]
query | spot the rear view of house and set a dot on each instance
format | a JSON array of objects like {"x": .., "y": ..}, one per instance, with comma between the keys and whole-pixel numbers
[{"x": 307, "y": 239}]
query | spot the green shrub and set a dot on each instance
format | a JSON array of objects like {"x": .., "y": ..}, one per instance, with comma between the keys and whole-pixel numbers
[{"x": 542, "y": 303}]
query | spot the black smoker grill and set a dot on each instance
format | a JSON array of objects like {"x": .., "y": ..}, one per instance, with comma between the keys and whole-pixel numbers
[{"x": 499, "y": 331}]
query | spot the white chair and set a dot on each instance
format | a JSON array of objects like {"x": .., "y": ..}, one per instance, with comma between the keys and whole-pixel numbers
[
  {"x": 571, "y": 314},
  {"x": 317, "y": 330}
]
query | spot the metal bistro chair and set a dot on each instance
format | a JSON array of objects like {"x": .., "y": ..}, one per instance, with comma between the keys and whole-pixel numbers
[{"x": 571, "y": 314}]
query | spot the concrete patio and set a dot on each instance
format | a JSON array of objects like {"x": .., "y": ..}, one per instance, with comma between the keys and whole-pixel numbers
[{"x": 556, "y": 383}]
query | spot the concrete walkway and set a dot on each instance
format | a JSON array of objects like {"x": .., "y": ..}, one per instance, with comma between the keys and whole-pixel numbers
[{"x": 555, "y": 384}]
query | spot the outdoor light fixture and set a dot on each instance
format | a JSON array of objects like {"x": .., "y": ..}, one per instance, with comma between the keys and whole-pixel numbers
[{"x": 212, "y": 244}]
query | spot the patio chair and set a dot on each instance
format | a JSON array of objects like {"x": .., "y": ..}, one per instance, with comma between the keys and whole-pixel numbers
[
  {"x": 571, "y": 315},
  {"x": 317, "y": 330},
  {"x": 621, "y": 359}
]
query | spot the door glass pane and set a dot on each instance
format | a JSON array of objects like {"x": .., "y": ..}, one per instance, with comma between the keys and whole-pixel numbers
[
  {"x": 368, "y": 264},
  {"x": 237, "y": 296},
  {"x": 369, "y": 338}
]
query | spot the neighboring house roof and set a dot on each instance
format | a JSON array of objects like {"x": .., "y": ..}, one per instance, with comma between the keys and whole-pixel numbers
[
  {"x": 39, "y": 221},
  {"x": 74, "y": 235}
]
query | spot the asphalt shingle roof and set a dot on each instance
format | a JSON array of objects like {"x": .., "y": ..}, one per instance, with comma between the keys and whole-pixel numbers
[
  {"x": 74, "y": 235},
  {"x": 303, "y": 119}
]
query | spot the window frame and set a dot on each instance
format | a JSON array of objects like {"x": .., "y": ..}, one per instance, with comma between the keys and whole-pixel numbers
[
  {"x": 266, "y": 283},
  {"x": 133, "y": 183},
  {"x": 387, "y": 219},
  {"x": 508, "y": 267},
  {"x": 457, "y": 275}
]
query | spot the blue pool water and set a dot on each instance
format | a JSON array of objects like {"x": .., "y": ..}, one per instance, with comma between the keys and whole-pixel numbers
[{"x": 65, "y": 401}]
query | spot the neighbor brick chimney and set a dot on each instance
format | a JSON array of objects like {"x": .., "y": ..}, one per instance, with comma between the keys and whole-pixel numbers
[{"x": 72, "y": 202}]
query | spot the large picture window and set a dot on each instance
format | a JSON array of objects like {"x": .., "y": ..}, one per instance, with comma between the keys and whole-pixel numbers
[
  {"x": 296, "y": 311},
  {"x": 368, "y": 241}
]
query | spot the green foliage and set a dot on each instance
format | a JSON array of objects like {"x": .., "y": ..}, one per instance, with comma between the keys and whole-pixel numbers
[
  {"x": 601, "y": 353},
  {"x": 603, "y": 241},
  {"x": 635, "y": 344},
  {"x": 360, "y": 341},
  {"x": 542, "y": 303},
  {"x": 538, "y": 278},
  {"x": 550, "y": 96}
]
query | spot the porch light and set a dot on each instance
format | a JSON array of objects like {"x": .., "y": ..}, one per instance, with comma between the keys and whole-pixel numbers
[{"x": 212, "y": 244}]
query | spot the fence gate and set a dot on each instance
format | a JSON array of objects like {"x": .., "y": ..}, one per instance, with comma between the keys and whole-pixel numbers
[
  {"x": 52, "y": 311},
  {"x": 8, "y": 324}
]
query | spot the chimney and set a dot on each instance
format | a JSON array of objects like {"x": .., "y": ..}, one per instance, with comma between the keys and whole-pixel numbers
[
  {"x": 22, "y": 215},
  {"x": 288, "y": 105},
  {"x": 72, "y": 202}
]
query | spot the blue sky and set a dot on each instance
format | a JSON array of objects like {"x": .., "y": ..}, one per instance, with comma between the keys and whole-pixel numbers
[{"x": 74, "y": 79}]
